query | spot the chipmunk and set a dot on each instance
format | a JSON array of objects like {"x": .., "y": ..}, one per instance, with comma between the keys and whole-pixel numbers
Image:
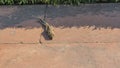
[{"x": 48, "y": 29}]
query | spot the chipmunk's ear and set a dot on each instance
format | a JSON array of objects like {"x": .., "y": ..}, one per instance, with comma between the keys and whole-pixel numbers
[{"x": 40, "y": 19}]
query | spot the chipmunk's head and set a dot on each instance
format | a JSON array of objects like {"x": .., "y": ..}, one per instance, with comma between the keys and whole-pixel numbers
[
  {"x": 40, "y": 20},
  {"x": 38, "y": 17}
]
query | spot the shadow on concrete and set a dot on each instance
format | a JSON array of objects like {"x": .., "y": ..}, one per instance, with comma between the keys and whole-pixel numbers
[{"x": 98, "y": 15}]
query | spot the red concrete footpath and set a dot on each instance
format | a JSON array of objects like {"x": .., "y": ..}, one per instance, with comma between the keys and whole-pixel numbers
[
  {"x": 66, "y": 35},
  {"x": 77, "y": 55}
]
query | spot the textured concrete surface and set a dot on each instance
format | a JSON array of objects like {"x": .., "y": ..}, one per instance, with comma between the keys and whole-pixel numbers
[
  {"x": 84, "y": 23},
  {"x": 83, "y": 55},
  {"x": 86, "y": 36}
]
